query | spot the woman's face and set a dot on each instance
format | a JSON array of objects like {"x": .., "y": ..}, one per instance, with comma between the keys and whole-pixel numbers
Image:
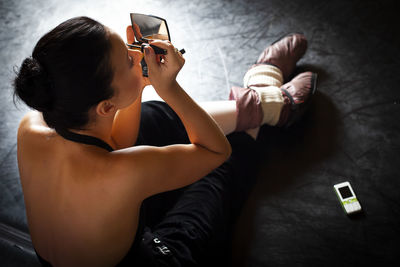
[{"x": 128, "y": 81}]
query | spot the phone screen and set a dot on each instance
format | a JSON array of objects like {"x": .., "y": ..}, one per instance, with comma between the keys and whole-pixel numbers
[{"x": 345, "y": 192}]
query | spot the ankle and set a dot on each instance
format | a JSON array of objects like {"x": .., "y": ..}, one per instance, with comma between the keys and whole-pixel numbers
[
  {"x": 272, "y": 102},
  {"x": 248, "y": 109},
  {"x": 258, "y": 106},
  {"x": 285, "y": 112}
]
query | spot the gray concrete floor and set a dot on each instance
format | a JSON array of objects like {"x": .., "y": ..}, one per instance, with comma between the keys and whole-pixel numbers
[{"x": 292, "y": 217}]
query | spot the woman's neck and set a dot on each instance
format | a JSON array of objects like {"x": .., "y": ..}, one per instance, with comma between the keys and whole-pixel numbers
[{"x": 100, "y": 128}]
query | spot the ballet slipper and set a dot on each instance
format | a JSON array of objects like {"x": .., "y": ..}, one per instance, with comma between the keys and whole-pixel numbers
[
  {"x": 284, "y": 53},
  {"x": 297, "y": 95}
]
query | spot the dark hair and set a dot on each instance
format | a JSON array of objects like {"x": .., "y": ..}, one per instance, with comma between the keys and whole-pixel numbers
[{"x": 69, "y": 72}]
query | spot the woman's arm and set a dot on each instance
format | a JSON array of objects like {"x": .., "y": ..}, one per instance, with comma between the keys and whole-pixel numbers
[
  {"x": 202, "y": 130},
  {"x": 151, "y": 170}
]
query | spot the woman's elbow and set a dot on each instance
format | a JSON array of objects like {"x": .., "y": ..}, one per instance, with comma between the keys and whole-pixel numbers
[{"x": 227, "y": 151}]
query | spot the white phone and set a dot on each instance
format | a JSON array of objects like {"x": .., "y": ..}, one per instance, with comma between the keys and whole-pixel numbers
[{"x": 347, "y": 197}]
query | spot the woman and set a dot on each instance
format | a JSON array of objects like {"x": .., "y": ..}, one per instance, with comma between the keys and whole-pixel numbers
[{"x": 94, "y": 160}]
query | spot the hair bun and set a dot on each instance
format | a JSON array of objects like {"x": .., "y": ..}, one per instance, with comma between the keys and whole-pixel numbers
[{"x": 33, "y": 86}]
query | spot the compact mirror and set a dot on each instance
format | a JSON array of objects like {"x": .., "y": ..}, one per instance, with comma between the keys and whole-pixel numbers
[
  {"x": 145, "y": 28},
  {"x": 149, "y": 27}
]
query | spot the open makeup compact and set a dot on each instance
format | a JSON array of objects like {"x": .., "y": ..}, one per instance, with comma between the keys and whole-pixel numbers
[{"x": 145, "y": 28}]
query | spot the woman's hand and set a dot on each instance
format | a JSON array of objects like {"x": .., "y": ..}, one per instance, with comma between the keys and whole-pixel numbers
[
  {"x": 162, "y": 73},
  {"x": 136, "y": 54}
]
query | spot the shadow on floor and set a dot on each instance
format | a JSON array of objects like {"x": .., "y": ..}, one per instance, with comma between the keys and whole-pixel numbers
[{"x": 289, "y": 154}]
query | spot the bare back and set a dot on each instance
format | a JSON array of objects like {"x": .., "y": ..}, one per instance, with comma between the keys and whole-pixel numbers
[{"x": 73, "y": 202}]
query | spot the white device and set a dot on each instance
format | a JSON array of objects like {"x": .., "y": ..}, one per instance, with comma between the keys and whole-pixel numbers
[{"x": 347, "y": 198}]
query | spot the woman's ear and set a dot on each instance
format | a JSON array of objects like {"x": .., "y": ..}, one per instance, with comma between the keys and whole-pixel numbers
[{"x": 105, "y": 108}]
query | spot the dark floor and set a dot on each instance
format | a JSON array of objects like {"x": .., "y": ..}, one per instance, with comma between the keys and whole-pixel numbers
[{"x": 293, "y": 217}]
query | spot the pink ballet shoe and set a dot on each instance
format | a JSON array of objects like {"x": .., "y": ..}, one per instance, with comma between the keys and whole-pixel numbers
[
  {"x": 284, "y": 53},
  {"x": 297, "y": 94}
]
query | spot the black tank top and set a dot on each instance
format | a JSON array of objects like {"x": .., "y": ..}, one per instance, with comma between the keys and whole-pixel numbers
[{"x": 91, "y": 140}]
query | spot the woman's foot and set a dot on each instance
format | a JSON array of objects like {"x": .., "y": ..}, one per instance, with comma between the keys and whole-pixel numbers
[
  {"x": 263, "y": 99},
  {"x": 297, "y": 95},
  {"x": 284, "y": 53},
  {"x": 272, "y": 105}
]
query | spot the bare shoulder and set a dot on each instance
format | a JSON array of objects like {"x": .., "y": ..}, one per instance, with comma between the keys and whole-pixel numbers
[
  {"x": 37, "y": 143},
  {"x": 32, "y": 118},
  {"x": 33, "y": 125}
]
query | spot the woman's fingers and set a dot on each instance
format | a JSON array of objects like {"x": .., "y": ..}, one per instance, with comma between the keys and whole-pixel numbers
[
  {"x": 136, "y": 54},
  {"x": 149, "y": 57},
  {"x": 165, "y": 44},
  {"x": 130, "y": 35},
  {"x": 169, "y": 67},
  {"x": 171, "y": 50},
  {"x": 136, "y": 31}
]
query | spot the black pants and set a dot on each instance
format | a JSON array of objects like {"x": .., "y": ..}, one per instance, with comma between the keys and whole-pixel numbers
[{"x": 193, "y": 225}]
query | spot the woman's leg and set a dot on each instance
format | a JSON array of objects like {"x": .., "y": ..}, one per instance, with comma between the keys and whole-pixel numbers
[
  {"x": 198, "y": 228},
  {"x": 225, "y": 114},
  {"x": 196, "y": 218},
  {"x": 265, "y": 98},
  {"x": 160, "y": 126}
]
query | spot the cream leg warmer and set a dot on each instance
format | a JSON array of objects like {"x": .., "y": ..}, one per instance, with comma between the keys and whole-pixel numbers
[
  {"x": 263, "y": 75},
  {"x": 266, "y": 80}
]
